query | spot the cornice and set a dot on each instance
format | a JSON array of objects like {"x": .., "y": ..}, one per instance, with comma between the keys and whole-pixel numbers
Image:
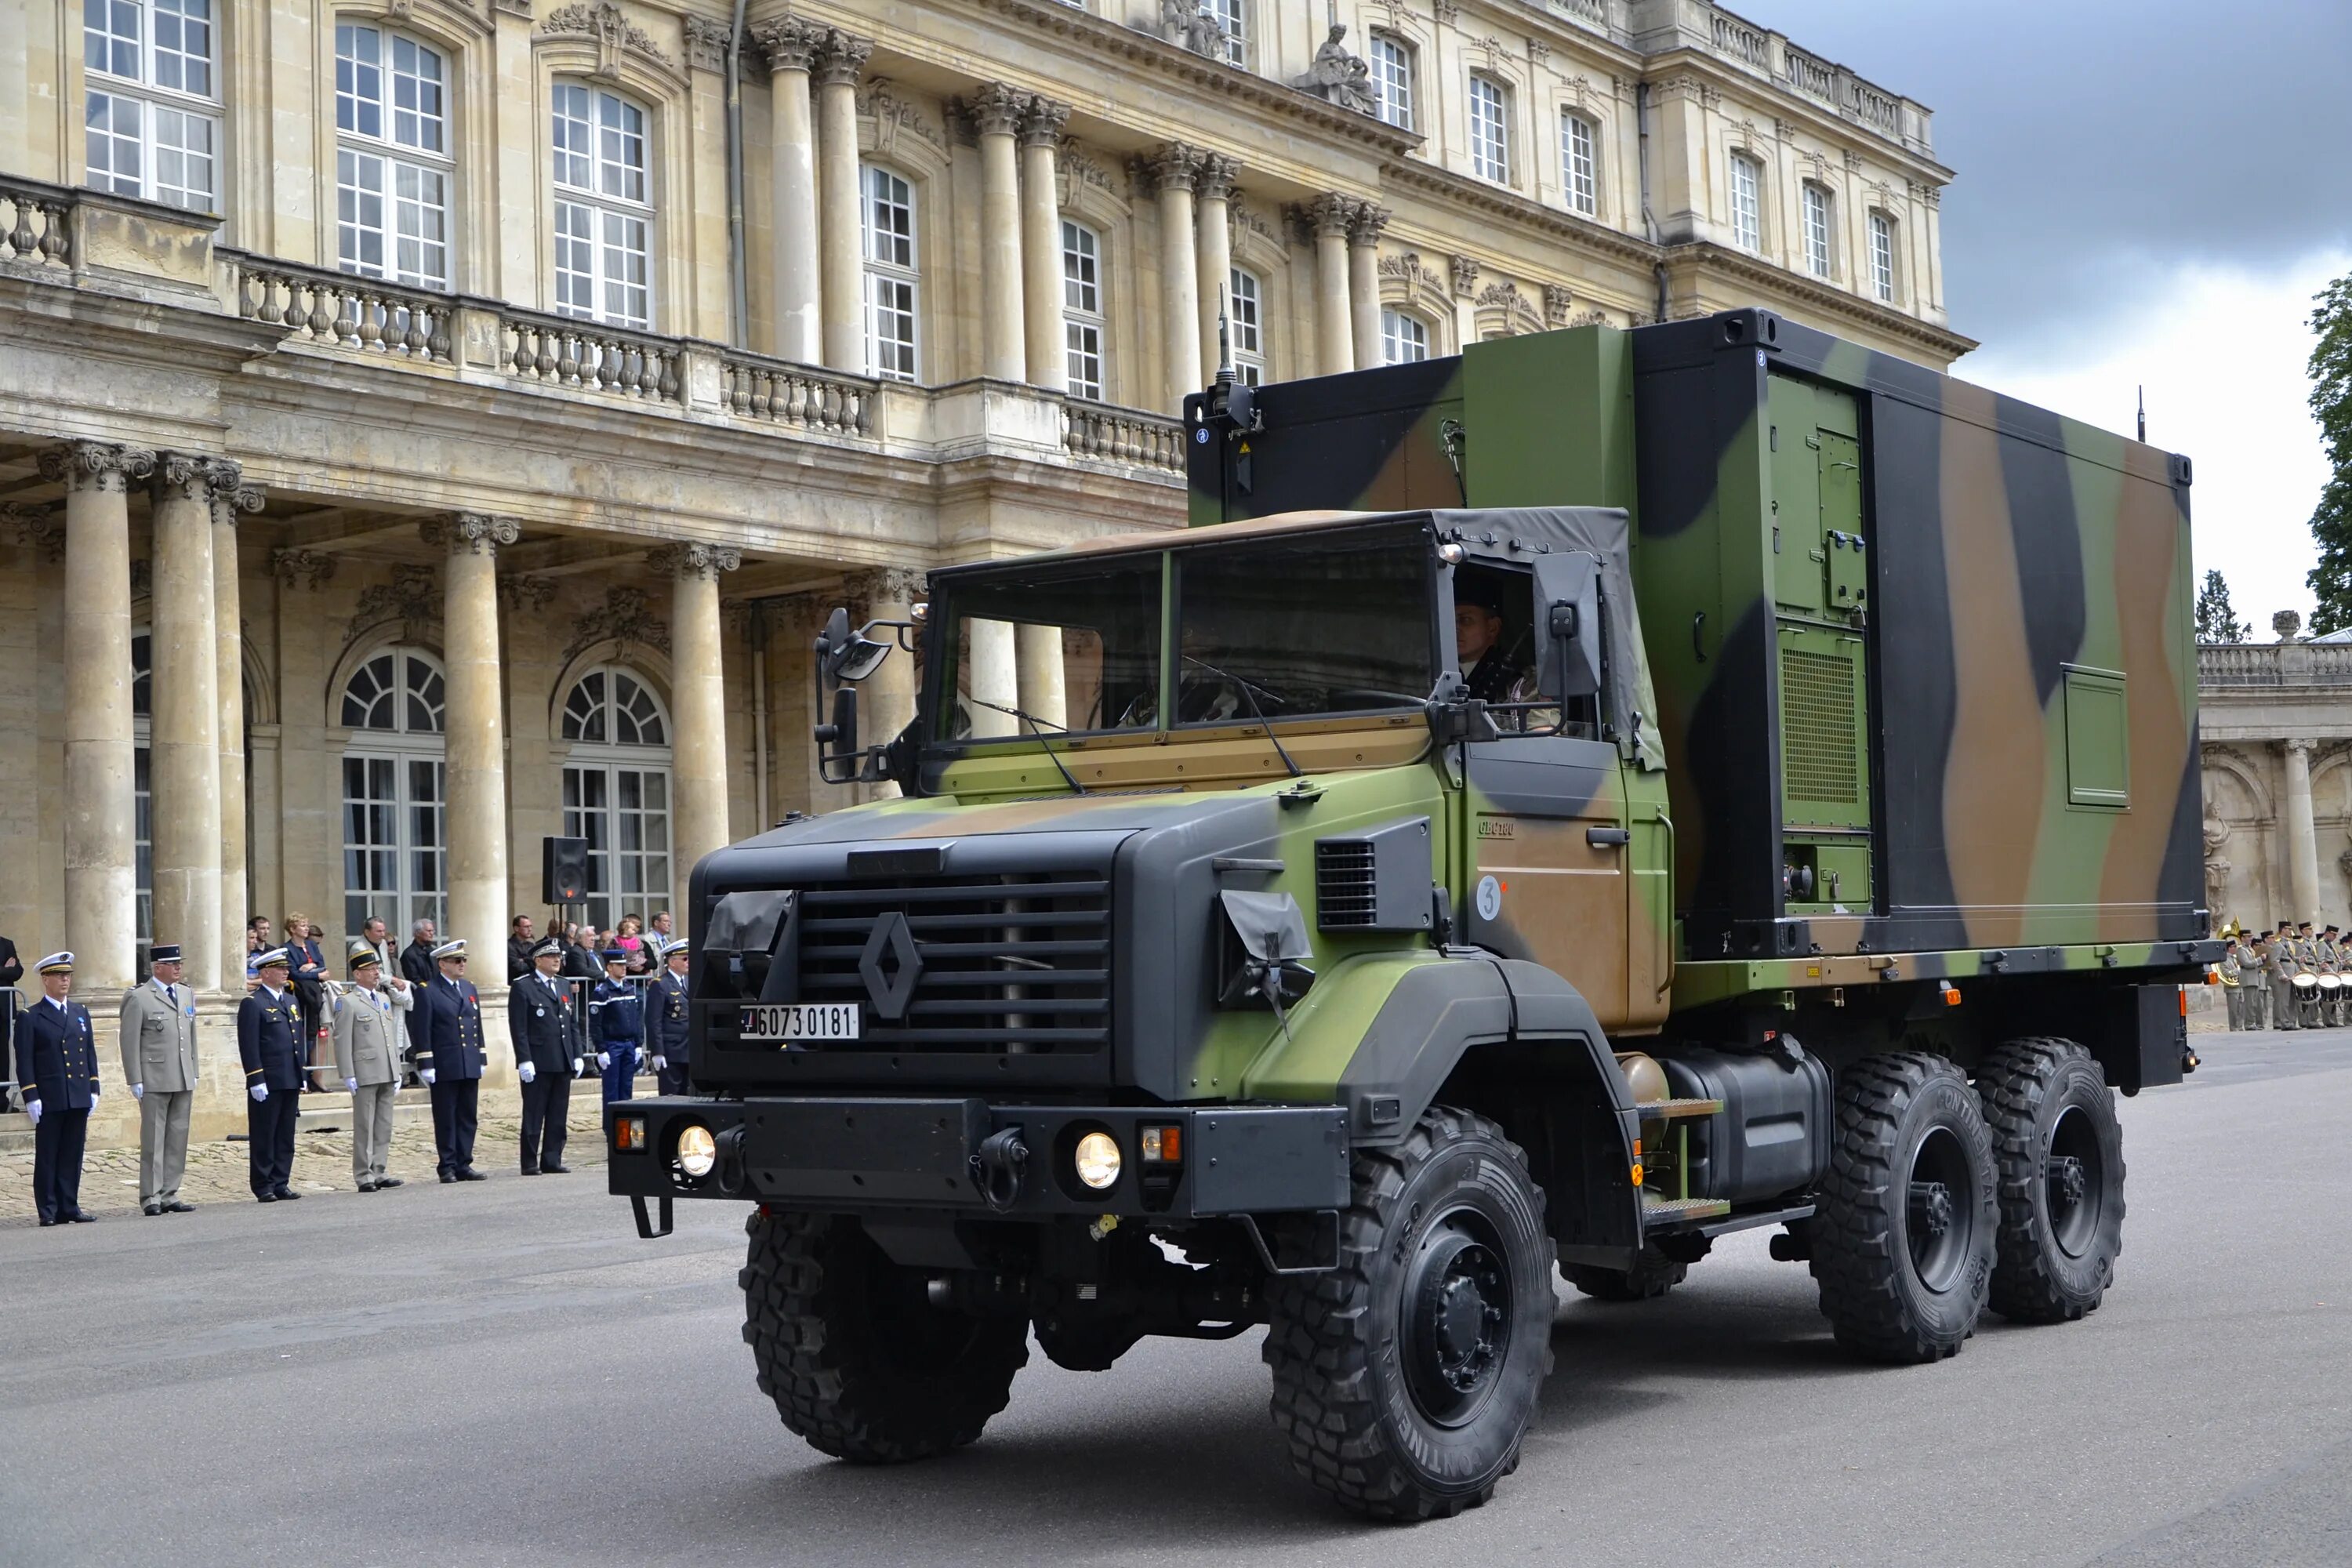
[
  {"x": 1738, "y": 263},
  {"x": 1529, "y": 213}
]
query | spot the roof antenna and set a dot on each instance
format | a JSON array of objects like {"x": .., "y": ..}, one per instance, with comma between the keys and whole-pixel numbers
[
  {"x": 1224, "y": 339},
  {"x": 2143, "y": 414}
]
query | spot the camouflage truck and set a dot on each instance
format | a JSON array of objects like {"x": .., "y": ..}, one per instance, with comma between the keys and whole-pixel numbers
[{"x": 1560, "y": 805}]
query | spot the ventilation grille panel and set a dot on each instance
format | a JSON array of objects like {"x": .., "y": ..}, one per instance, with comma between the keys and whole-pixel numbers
[
  {"x": 1819, "y": 756},
  {"x": 1347, "y": 884}
]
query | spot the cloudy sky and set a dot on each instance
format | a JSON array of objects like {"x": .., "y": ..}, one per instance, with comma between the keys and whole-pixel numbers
[{"x": 2148, "y": 192}]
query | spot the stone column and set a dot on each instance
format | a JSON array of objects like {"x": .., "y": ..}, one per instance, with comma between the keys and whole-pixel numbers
[
  {"x": 886, "y": 700},
  {"x": 1037, "y": 658},
  {"x": 841, "y": 260},
  {"x": 791, "y": 45},
  {"x": 475, "y": 731},
  {"x": 1041, "y": 242},
  {"x": 1364, "y": 281},
  {"x": 1174, "y": 168},
  {"x": 996, "y": 114},
  {"x": 2301, "y": 834},
  {"x": 1213, "y": 214},
  {"x": 100, "y": 789},
  {"x": 994, "y": 680},
  {"x": 228, "y": 498},
  {"x": 183, "y": 744},
  {"x": 698, "y": 705},
  {"x": 1329, "y": 217}
]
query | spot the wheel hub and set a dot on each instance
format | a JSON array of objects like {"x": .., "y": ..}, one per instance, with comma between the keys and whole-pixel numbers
[
  {"x": 2068, "y": 1183},
  {"x": 1458, "y": 1311},
  {"x": 1931, "y": 1203}
]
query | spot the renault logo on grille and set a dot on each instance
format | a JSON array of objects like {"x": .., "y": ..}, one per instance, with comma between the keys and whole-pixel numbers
[{"x": 890, "y": 965}]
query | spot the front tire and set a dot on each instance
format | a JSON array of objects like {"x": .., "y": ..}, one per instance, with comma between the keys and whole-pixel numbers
[
  {"x": 1406, "y": 1380},
  {"x": 2060, "y": 1152},
  {"x": 856, "y": 1358},
  {"x": 1903, "y": 1240}
]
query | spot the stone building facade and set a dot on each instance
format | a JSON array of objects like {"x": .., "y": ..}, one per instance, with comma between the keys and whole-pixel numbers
[
  {"x": 2275, "y": 721},
  {"x": 430, "y": 425}
]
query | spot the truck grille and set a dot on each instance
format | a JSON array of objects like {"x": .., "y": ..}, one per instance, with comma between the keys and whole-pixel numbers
[
  {"x": 1014, "y": 962},
  {"x": 1346, "y": 892}
]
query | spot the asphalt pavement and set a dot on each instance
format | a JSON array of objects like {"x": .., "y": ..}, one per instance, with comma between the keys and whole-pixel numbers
[{"x": 502, "y": 1374}]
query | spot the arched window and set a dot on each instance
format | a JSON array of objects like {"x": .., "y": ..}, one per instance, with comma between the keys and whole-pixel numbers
[
  {"x": 1404, "y": 337},
  {"x": 395, "y": 792},
  {"x": 887, "y": 214},
  {"x": 616, "y": 793},
  {"x": 1246, "y": 327},
  {"x": 392, "y": 156},
  {"x": 1082, "y": 308},
  {"x": 151, "y": 111},
  {"x": 603, "y": 207}
]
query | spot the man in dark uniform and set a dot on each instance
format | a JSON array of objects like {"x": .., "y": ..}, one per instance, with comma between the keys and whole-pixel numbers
[
  {"x": 521, "y": 941},
  {"x": 449, "y": 1056},
  {"x": 56, "y": 1073},
  {"x": 416, "y": 958},
  {"x": 270, "y": 1032},
  {"x": 12, "y": 970},
  {"x": 539, "y": 1020},
  {"x": 667, "y": 1019},
  {"x": 617, "y": 1023}
]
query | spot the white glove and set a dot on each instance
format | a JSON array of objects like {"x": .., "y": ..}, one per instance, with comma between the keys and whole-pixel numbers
[
  {"x": 33, "y": 1109},
  {"x": 138, "y": 1091},
  {"x": 604, "y": 1059},
  {"x": 575, "y": 1066},
  {"x": 661, "y": 1064},
  {"x": 93, "y": 1094},
  {"x": 350, "y": 1086},
  {"x": 427, "y": 1074},
  {"x": 260, "y": 1091},
  {"x": 530, "y": 1071}
]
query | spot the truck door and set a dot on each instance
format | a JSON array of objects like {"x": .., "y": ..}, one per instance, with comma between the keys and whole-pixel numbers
[{"x": 1549, "y": 831}]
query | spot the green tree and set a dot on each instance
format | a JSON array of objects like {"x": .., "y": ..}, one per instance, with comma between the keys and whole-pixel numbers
[
  {"x": 2331, "y": 403},
  {"x": 2216, "y": 621}
]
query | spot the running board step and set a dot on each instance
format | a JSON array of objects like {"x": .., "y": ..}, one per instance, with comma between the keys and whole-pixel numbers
[
  {"x": 1661, "y": 1213},
  {"x": 1677, "y": 1109}
]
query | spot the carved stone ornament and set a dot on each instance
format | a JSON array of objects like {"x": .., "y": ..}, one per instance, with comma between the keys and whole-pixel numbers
[
  {"x": 2285, "y": 623},
  {"x": 841, "y": 58},
  {"x": 228, "y": 499},
  {"x": 1449, "y": 13},
  {"x": 1557, "y": 298},
  {"x": 996, "y": 109},
  {"x": 1338, "y": 76},
  {"x": 412, "y": 597},
  {"x": 626, "y": 617},
  {"x": 1519, "y": 315},
  {"x": 1188, "y": 24},
  {"x": 788, "y": 43},
  {"x": 1464, "y": 272},
  {"x": 32, "y": 528},
  {"x": 96, "y": 466},
  {"x": 1171, "y": 167},
  {"x": 142, "y": 578},
  {"x": 471, "y": 532},
  {"x": 304, "y": 568},
  {"x": 889, "y": 585},
  {"x": 707, "y": 43},
  {"x": 1408, "y": 270},
  {"x": 1365, "y": 223},
  {"x": 1075, "y": 166},
  {"x": 513, "y": 7},
  {"x": 694, "y": 560},
  {"x": 522, "y": 591},
  {"x": 1215, "y": 180},
  {"x": 1042, "y": 122},
  {"x": 1538, "y": 52},
  {"x": 612, "y": 33},
  {"x": 892, "y": 113}
]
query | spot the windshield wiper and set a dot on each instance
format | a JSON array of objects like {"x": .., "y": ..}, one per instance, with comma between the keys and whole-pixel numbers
[
  {"x": 1247, "y": 688},
  {"x": 1036, "y": 728}
]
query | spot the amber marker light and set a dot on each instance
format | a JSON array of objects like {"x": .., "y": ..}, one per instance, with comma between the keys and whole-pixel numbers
[
  {"x": 1161, "y": 1145},
  {"x": 629, "y": 1133},
  {"x": 1951, "y": 993}
]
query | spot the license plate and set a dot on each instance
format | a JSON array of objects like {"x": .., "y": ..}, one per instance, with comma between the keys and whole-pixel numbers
[{"x": 803, "y": 1021}]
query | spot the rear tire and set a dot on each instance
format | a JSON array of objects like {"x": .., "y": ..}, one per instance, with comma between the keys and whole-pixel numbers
[
  {"x": 1652, "y": 1276},
  {"x": 1903, "y": 1240},
  {"x": 856, "y": 1358},
  {"x": 2060, "y": 1152},
  {"x": 1405, "y": 1379}
]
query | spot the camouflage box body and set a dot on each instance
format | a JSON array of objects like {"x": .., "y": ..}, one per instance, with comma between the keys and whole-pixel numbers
[{"x": 1921, "y": 653}]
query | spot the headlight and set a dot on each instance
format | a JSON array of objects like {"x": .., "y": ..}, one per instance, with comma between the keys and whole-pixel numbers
[
  {"x": 698, "y": 1150},
  {"x": 1097, "y": 1159}
]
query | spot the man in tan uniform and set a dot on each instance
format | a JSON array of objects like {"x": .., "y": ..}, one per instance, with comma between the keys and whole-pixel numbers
[
  {"x": 159, "y": 1061},
  {"x": 369, "y": 1034}
]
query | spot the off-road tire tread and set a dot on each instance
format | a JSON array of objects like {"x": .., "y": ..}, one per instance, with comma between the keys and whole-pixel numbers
[
  {"x": 2010, "y": 1083},
  {"x": 823, "y": 1383},
  {"x": 1852, "y": 1230},
  {"x": 1320, "y": 1351},
  {"x": 1651, "y": 1277}
]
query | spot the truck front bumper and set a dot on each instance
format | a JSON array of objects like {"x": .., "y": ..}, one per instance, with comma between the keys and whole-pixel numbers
[{"x": 952, "y": 1154}]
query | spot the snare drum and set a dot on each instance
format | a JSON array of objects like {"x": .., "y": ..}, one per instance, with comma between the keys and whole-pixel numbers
[
  {"x": 2331, "y": 984},
  {"x": 2306, "y": 981}
]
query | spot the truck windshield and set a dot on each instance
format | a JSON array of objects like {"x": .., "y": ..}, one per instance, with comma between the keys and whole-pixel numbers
[
  {"x": 1075, "y": 648},
  {"x": 1329, "y": 623}
]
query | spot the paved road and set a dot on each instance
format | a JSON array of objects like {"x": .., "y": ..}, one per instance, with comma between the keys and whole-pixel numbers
[{"x": 501, "y": 1373}]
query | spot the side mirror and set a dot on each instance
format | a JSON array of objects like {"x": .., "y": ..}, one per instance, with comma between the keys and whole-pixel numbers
[
  {"x": 845, "y": 655},
  {"x": 839, "y": 761}
]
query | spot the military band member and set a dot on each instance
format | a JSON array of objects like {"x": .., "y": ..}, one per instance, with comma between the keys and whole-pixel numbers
[
  {"x": 2331, "y": 1003},
  {"x": 269, "y": 1038},
  {"x": 159, "y": 1062},
  {"x": 546, "y": 1048},
  {"x": 2231, "y": 969},
  {"x": 56, "y": 1074},
  {"x": 2306, "y": 957},
  {"x": 449, "y": 1054},
  {"x": 617, "y": 1023},
  {"x": 371, "y": 1036},
  {"x": 667, "y": 1019},
  {"x": 2283, "y": 1005},
  {"x": 2256, "y": 973}
]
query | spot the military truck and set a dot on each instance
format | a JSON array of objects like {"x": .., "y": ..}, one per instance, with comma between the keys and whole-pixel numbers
[{"x": 1560, "y": 805}]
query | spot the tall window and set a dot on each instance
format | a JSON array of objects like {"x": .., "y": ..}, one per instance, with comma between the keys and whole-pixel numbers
[
  {"x": 1392, "y": 67},
  {"x": 392, "y": 157},
  {"x": 891, "y": 275},
  {"x": 151, "y": 117},
  {"x": 603, "y": 209},
  {"x": 1882, "y": 257},
  {"x": 1404, "y": 337},
  {"x": 396, "y": 792},
  {"x": 1247, "y": 327},
  {"x": 616, "y": 793},
  {"x": 1233, "y": 15},
  {"x": 1579, "y": 172},
  {"x": 1747, "y": 205},
  {"x": 1816, "y": 231},
  {"x": 1082, "y": 308},
  {"x": 1490, "y": 131}
]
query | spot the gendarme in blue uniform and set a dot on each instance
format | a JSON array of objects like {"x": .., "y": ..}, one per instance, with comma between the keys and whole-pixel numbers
[
  {"x": 616, "y": 1024},
  {"x": 269, "y": 1039},
  {"x": 57, "y": 1065}
]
